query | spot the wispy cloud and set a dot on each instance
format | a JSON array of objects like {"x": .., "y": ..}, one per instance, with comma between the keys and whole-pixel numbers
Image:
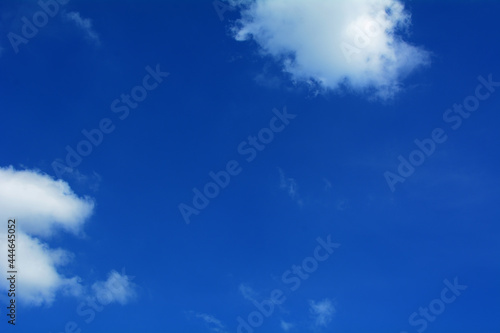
[
  {"x": 285, "y": 326},
  {"x": 335, "y": 45},
  {"x": 342, "y": 205},
  {"x": 92, "y": 181},
  {"x": 322, "y": 312},
  {"x": 290, "y": 186},
  {"x": 213, "y": 323},
  {"x": 118, "y": 288},
  {"x": 328, "y": 184},
  {"x": 84, "y": 24},
  {"x": 210, "y": 322}
]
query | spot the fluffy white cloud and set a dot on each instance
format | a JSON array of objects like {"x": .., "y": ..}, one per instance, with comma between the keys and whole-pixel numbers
[
  {"x": 334, "y": 44},
  {"x": 37, "y": 271},
  {"x": 42, "y": 205}
]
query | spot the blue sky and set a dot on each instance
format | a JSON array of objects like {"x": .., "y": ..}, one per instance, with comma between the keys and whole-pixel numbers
[{"x": 326, "y": 214}]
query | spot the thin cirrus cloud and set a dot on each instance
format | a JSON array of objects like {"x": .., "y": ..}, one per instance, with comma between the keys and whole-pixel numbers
[
  {"x": 290, "y": 186},
  {"x": 84, "y": 24},
  {"x": 318, "y": 42},
  {"x": 43, "y": 206}
]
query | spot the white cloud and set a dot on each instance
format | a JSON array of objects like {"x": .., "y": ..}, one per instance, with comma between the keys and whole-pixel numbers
[
  {"x": 322, "y": 312},
  {"x": 286, "y": 326},
  {"x": 42, "y": 205},
  {"x": 318, "y": 42},
  {"x": 37, "y": 267},
  {"x": 84, "y": 24},
  {"x": 117, "y": 288}
]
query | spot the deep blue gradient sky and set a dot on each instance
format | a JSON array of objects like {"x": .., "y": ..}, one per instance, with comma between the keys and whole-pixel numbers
[{"x": 322, "y": 175}]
